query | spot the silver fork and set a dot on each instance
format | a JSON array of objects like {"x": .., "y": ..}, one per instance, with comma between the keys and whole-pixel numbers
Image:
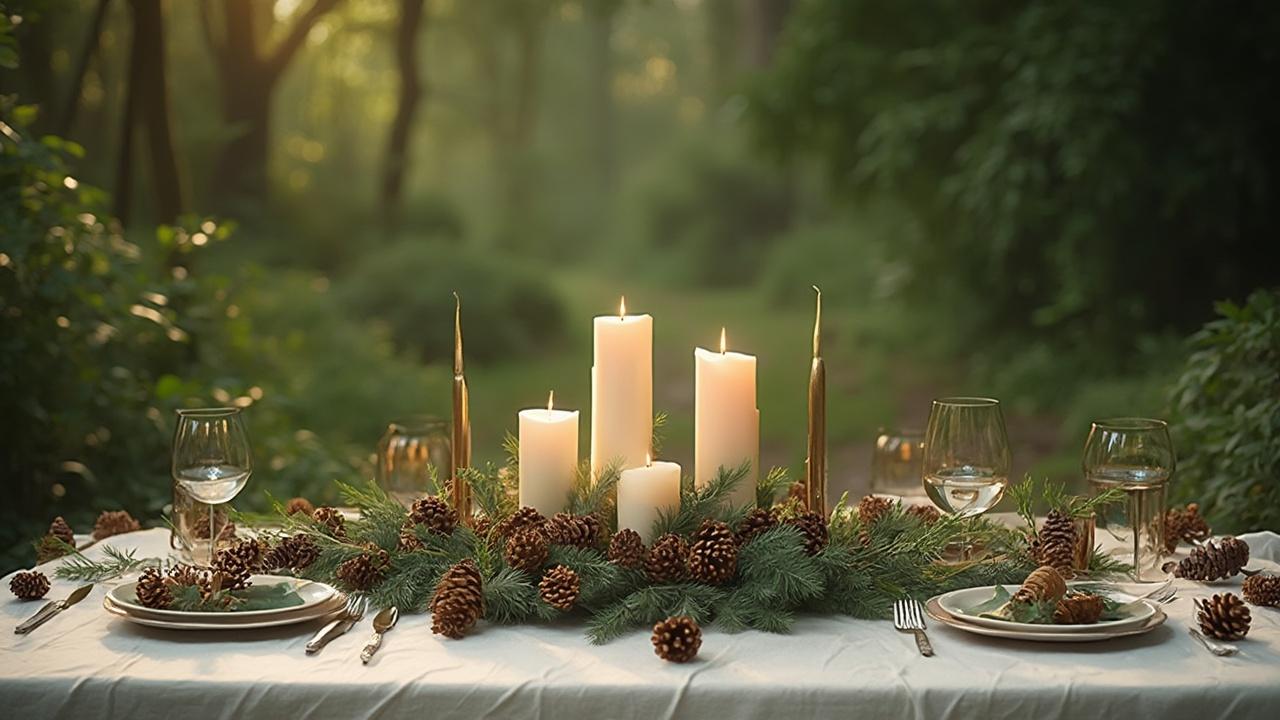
[
  {"x": 1213, "y": 646},
  {"x": 908, "y": 616},
  {"x": 352, "y": 612}
]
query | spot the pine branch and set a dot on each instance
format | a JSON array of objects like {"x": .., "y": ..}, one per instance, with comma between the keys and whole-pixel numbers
[
  {"x": 511, "y": 597},
  {"x": 511, "y": 448},
  {"x": 768, "y": 486},
  {"x": 1023, "y": 493},
  {"x": 775, "y": 568},
  {"x": 655, "y": 441},
  {"x": 80, "y": 568},
  {"x": 698, "y": 504},
  {"x": 492, "y": 490},
  {"x": 594, "y": 495},
  {"x": 649, "y": 605}
]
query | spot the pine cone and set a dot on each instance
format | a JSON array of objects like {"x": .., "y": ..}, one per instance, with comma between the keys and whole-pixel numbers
[
  {"x": 331, "y": 521},
  {"x": 526, "y": 550},
  {"x": 520, "y": 519},
  {"x": 813, "y": 528},
  {"x": 1055, "y": 544},
  {"x": 481, "y": 526},
  {"x": 296, "y": 552},
  {"x": 627, "y": 549},
  {"x": 927, "y": 514},
  {"x": 1262, "y": 590},
  {"x": 299, "y": 505},
  {"x": 713, "y": 559},
  {"x": 186, "y": 575},
  {"x": 1211, "y": 562},
  {"x": 115, "y": 522},
  {"x": 435, "y": 514},
  {"x": 756, "y": 522},
  {"x": 29, "y": 585},
  {"x": 870, "y": 510},
  {"x": 667, "y": 557},
  {"x": 250, "y": 552},
  {"x": 559, "y": 588},
  {"x": 153, "y": 589},
  {"x": 580, "y": 531},
  {"x": 1184, "y": 526},
  {"x": 677, "y": 639},
  {"x": 234, "y": 568},
  {"x": 458, "y": 601},
  {"x": 364, "y": 571},
  {"x": 408, "y": 541},
  {"x": 1078, "y": 609},
  {"x": 1043, "y": 585},
  {"x": 1225, "y": 617},
  {"x": 50, "y": 548},
  {"x": 61, "y": 530}
]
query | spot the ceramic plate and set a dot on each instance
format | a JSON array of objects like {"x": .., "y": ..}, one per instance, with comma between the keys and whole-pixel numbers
[
  {"x": 937, "y": 613},
  {"x": 227, "y": 621},
  {"x": 312, "y": 593},
  {"x": 959, "y": 603}
]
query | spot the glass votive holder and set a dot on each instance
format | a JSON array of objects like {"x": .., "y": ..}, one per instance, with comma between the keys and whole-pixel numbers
[{"x": 411, "y": 449}]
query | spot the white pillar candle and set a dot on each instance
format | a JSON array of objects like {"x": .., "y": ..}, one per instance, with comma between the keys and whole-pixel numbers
[
  {"x": 726, "y": 420},
  {"x": 622, "y": 390},
  {"x": 548, "y": 457},
  {"x": 645, "y": 491}
]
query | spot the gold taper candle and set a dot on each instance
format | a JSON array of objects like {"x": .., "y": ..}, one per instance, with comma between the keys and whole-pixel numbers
[
  {"x": 460, "y": 455},
  {"x": 815, "y": 465}
]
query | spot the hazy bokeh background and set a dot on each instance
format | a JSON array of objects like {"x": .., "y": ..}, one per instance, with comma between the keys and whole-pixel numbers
[{"x": 270, "y": 203}]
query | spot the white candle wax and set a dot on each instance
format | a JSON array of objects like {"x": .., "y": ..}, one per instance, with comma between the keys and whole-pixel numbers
[
  {"x": 643, "y": 492},
  {"x": 548, "y": 458},
  {"x": 726, "y": 420},
  {"x": 622, "y": 391}
]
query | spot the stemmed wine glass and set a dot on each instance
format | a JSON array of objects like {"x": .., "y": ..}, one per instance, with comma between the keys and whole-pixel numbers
[
  {"x": 966, "y": 455},
  {"x": 1136, "y": 455},
  {"x": 212, "y": 459}
]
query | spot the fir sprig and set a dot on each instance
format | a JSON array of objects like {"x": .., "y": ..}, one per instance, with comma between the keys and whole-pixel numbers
[
  {"x": 492, "y": 490},
  {"x": 708, "y": 501},
  {"x": 511, "y": 597},
  {"x": 118, "y": 562},
  {"x": 649, "y": 605},
  {"x": 658, "y": 435},
  {"x": 594, "y": 495}
]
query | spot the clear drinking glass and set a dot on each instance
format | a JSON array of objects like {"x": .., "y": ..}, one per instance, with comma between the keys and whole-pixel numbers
[
  {"x": 407, "y": 452},
  {"x": 896, "y": 462},
  {"x": 1136, "y": 455},
  {"x": 212, "y": 459},
  {"x": 966, "y": 455}
]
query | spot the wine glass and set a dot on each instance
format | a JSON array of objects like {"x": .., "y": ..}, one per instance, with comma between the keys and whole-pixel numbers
[
  {"x": 966, "y": 455},
  {"x": 212, "y": 459},
  {"x": 1136, "y": 455}
]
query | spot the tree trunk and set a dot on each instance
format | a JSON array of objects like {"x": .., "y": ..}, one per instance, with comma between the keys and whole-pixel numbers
[
  {"x": 763, "y": 20},
  {"x": 153, "y": 106},
  {"x": 124, "y": 164},
  {"x": 247, "y": 77},
  {"x": 67, "y": 121},
  {"x": 397, "y": 160}
]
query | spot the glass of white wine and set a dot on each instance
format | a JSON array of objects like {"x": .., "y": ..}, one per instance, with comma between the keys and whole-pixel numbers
[
  {"x": 212, "y": 459},
  {"x": 1136, "y": 455},
  {"x": 966, "y": 455}
]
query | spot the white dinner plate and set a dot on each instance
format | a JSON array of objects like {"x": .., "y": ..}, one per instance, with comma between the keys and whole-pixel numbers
[
  {"x": 959, "y": 603},
  {"x": 312, "y": 593},
  {"x": 227, "y": 621},
  {"x": 937, "y": 613}
]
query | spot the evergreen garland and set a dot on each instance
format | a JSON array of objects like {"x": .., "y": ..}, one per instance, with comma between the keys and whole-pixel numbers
[{"x": 859, "y": 573}]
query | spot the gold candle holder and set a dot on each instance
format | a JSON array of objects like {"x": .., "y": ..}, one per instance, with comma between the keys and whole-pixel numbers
[
  {"x": 460, "y": 450},
  {"x": 815, "y": 465}
]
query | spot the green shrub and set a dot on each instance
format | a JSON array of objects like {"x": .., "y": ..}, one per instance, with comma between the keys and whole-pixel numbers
[
  {"x": 1227, "y": 411},
  {"x": 409, "y": 287}
]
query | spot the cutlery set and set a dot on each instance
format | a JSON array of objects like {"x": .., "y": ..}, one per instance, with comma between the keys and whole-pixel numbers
[{"x": 352, "y": 613}]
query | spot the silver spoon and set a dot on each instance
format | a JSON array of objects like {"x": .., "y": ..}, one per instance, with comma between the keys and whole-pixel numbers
[
  {"x": 1213, "y": 646},
  {"x": 385, "y": 620}
]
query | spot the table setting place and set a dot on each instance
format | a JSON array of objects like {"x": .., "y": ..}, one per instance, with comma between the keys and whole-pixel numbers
[{"x": 617, "y": 585}]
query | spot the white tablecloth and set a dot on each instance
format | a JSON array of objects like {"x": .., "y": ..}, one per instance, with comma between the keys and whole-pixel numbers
[{"x": 85, "y": 663}]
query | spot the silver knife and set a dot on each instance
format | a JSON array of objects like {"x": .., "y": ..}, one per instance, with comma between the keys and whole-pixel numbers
[{"x": 52, "y": 608}]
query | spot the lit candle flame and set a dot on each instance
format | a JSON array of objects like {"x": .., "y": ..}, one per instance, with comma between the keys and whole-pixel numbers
[
  {"x": 551, "y": 399},
  {"x": 723, "y": 345},
  {"x": 622, "y": 307},
  {"x": 648, "y": 459}
]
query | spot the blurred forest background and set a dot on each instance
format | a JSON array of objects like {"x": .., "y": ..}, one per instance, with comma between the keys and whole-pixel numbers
[{"x": 269, "y": 204}]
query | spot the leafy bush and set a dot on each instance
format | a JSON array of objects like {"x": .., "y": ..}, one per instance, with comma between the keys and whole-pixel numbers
[
  {"x": 410, "y": 287},
  {"x": 709, "y": 214},
  {"x": 1090, "y": 170},
  {"x": 1227, "y": 410}
]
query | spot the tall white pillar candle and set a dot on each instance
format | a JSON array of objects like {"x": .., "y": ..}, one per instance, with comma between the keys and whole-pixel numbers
[
  {"x": 645, "y": 491},
  {"x": 621, "y": 390},
  {"x": 548, "y": 457},
  {"x": 726, "y": 420}
]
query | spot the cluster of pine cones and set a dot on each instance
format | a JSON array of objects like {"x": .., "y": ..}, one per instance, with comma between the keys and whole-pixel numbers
[
  {"x": 1184, "y": 525},
  {"x": 1212, "y": 561},
  {"x": 61, "y": 539},
  {"x": 155, "y": 588}
]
